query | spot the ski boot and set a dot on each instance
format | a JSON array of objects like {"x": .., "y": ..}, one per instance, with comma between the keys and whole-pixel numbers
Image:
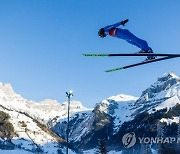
[{"x": 148, "y": 57}]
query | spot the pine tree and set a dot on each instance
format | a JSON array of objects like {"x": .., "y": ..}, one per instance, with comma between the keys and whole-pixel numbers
[
  {"x": 160, "y": 130},
  {"x": 178, "y": 131},
  {"x": 101, "y": 147},
  {"x": 178, "y": 135},
  {"x": 160, "y": 134}
]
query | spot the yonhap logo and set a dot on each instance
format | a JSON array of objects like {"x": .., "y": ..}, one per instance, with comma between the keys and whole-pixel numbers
[{"x": 129, "y": 140}]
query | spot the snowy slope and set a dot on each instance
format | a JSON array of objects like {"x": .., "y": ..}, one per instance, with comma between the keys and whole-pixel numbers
[
  {"x": 29, "y": 136},
  {"x": 27, "y": 118}
]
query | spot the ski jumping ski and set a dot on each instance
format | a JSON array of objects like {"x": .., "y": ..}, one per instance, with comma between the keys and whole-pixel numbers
[
  {"x": 132, "y": 54},
  {"x": 163, "y": 57}
]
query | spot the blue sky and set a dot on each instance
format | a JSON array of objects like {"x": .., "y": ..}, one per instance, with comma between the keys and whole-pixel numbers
[{"x": 41, "y": 46}]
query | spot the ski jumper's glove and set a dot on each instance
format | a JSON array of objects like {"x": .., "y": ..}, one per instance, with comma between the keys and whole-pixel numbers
[{"x": 124, "y": 22}]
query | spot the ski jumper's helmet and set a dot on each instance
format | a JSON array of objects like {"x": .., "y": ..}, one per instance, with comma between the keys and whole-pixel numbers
[{"x": 101, "y": 32}]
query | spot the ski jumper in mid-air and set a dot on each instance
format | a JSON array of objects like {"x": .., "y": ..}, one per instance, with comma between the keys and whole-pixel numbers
[{"x": 115, "y": 31}]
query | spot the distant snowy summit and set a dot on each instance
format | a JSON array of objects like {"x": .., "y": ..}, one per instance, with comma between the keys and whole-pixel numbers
[
  {"x": 114, "y": 102},
  {"x": 6, "y": 89},
  {"x": 122, "y": 97},
  {"x": 43, "y": 111},
  {"x": 165, "y": 92},
  {"x": 74, "y": 105},
  {"x": 119, "y": 107}
]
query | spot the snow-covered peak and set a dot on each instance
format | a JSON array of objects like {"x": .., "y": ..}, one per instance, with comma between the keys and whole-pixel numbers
[
  {"x": 49, "y": 102},
  {"x": 166, "y": 77},
  {"x": 6, "y": 89},
  {"x": 43, "y": 111},
  {"x": 122, "y": 98},
  {"x": 114, "y": 101},
  {"x": 164, "y": 93},
  {"x": 171, "y": 75},
  {"x": 166, "y": 86},
  {"x": 120, "y": 107},
  {"x": 74, "y": 105}
]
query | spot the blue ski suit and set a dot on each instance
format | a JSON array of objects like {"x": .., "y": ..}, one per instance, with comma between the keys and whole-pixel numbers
[{"x": 126, "y": 35}]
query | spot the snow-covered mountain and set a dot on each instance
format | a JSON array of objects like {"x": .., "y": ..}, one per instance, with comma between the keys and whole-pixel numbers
[
  {"x": 29, "y": 121},
  {"x": 41, "y": 126},
  {"x": 158, "y": 103},
  {"x": 113, "y": 117},
  {"x": 42, "y": 111},
  {"x": 164, "y": 93}
]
